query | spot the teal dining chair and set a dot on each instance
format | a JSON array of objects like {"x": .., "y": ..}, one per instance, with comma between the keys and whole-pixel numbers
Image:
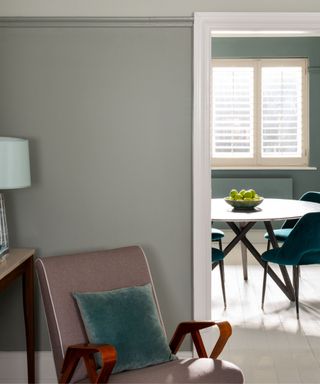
[
  {"x": 217, "y": 235},
  {"x": 217, "y": 257},
  {"x": 283, "y": 233},
  {"x": 302, "y": 247}
]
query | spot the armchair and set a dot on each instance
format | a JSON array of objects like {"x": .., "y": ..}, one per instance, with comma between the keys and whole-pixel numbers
[{"x": 61, "y": 276}]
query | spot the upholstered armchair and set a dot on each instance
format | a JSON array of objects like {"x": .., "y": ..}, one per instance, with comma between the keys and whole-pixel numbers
[{"x": 86, "y": 291}]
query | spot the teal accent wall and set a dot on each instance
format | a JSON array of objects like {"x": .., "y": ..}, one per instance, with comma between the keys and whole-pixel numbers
[{"x": 276, "y": 47}]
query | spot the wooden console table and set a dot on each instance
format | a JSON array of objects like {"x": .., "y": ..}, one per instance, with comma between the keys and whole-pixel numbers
[{"x": 19, "y": 262}]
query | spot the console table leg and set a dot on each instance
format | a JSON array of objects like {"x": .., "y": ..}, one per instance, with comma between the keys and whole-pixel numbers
[{"x": 28, "y": 306}]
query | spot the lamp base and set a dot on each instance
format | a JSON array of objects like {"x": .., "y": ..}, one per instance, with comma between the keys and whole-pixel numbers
[
  {"x": 4, "y": 241},
  {"x": 3, "y": 254}
]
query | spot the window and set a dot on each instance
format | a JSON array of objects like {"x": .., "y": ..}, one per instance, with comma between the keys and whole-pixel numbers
[{"x": 259, "y": 112}]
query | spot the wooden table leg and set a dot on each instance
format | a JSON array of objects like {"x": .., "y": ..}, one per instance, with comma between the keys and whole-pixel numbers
[
  {"x": 240, "y": 236},
  {"x": 28, "y": 306},
  {"x": 244, "y": 256}
]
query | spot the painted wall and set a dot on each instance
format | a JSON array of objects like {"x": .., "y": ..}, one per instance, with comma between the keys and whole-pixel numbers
[
  {"x": 110, "y": 165},
  {"x": 108, "y": 115},
  {"x": 281, "y": 47},
  {"x": 147, "y": 7}
]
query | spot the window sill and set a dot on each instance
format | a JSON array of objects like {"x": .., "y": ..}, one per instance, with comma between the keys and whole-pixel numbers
[{"x": 264, "y": 168}]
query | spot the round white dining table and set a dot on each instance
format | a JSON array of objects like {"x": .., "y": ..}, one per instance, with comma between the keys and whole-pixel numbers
[
  {"x": 268, "y": 210},
  {"x": 241, "y": 221}
]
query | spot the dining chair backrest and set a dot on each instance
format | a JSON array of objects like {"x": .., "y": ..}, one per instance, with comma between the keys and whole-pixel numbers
[
  {"x": 303, "y": 244},
  {"x": 313, "y": 197}
]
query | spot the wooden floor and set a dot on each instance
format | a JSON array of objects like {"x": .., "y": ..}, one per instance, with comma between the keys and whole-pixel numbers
[{"x": 271, "y": 346}]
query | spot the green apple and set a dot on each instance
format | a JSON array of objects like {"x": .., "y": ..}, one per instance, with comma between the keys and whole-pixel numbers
[
  {"x": 253, "y": 193},
  {"x": 247, "y": 195},
  {"x": 232, "y": 193},
  {"x": 244, "y": 194}
]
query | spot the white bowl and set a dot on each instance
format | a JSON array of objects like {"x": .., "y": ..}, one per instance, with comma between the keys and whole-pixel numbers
[{"x": 243, "y": 204}]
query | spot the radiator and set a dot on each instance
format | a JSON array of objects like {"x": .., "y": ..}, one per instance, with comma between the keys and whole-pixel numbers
[{"x": 278, "y": 188}]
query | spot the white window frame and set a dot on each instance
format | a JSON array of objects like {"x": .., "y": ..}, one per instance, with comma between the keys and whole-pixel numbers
[
  {"x": 257, "y": 160},
  {"x": 206, "y": 26}
]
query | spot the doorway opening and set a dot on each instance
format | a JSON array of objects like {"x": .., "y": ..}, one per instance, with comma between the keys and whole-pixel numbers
[{"x": 206, "y": 27}]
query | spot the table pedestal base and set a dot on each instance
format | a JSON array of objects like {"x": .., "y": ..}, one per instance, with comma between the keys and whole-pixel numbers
[{"x": 241, "y": 232}]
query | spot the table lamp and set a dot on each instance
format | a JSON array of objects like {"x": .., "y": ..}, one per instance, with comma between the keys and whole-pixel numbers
[{"x": 14, "y": 173}]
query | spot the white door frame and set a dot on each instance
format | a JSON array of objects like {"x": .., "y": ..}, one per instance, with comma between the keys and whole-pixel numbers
[{"x": 206, "y": 25}]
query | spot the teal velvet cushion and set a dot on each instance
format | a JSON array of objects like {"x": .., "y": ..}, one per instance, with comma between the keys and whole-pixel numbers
[
  {"x": 281, "y": 234},
  {"x": 216, "y": 234},
  {"x": 128, "y": 319},
  {"x": 216, "y": 255}
]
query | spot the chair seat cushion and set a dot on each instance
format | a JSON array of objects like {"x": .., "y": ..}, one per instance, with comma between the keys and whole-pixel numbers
[
  {"x": 128, "y": 319},
  {"x": 280, "y": 234},
  {"x": 182, "y": 371},
  {"x": 216, "y": 255},
  {"x": 273, "y": 256},
  {"x": 311, "y": 256},
  {"x": 216, "y": 234}
]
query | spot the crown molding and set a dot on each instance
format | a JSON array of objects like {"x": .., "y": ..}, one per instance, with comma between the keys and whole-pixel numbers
[{"x": 94, "y": 22}]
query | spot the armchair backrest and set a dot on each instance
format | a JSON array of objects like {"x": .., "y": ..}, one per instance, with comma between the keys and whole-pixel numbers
[
  {"x": 60, "y": 276},
  {"x": 303, "y": 244}
]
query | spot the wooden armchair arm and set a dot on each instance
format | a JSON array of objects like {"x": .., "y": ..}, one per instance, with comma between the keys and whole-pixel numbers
[
  {"x": 76, "y": 352},
  {"x": 193, "y": 327}
]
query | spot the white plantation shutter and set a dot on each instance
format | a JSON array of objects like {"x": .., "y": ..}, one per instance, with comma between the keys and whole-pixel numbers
[
  {"x": 281, "y": 112},
  {"x": 259, "y": 112},
  {"x": 232, "y": 111}
]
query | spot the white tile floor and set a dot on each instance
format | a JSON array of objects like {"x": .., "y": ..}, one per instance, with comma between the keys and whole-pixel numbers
[{"x": 271, "y": 346}]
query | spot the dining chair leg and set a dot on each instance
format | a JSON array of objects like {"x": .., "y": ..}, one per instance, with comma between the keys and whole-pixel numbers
[
  {"x": 265, "y": 273},
  {"x": 221, "y": 266},
  {"x": 296, "y": 270},
  {"x": 220, "y": 244},
  {"x": 213, "y": 265},
  {"x": 268, "y": 245}
]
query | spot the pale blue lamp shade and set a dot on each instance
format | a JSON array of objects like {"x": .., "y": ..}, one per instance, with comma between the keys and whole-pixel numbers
[
  {"x": 14, "y": 173},
  {"x": 14, "y": 163}
]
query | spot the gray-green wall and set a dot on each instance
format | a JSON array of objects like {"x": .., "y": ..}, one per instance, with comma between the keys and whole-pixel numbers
[
  {"x": 309, "y": 47},
  {"x": 108, "y": 112}
]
